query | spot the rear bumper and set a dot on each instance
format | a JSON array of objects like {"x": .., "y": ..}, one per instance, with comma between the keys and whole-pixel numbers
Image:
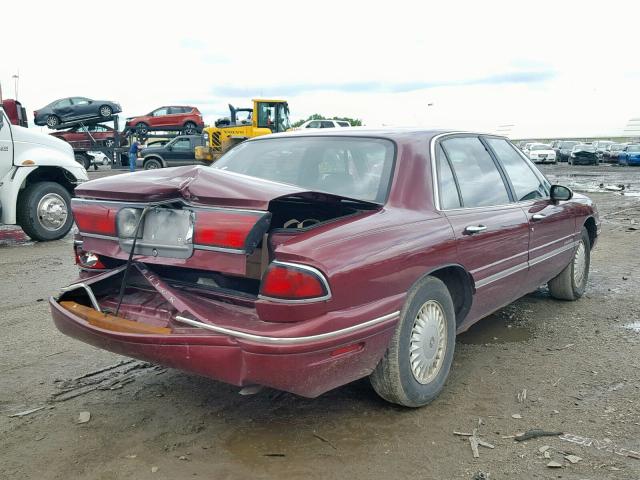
[{"x": 307, "y": 366}]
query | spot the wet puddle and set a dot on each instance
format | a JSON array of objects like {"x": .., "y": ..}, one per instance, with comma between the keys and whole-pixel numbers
[
  {"x": 634, "y": 327},
  {"x": 496, "y": 329}
]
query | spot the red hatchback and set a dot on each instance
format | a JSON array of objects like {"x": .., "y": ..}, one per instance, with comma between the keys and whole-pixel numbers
[
  {"x": 188, "y": 120},
  {"x": 304, "y": 261}
]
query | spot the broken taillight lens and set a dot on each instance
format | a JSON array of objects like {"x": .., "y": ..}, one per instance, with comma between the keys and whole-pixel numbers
[
  {"x": 292, "y": 282},
  {"x": 224, "y": 229},
  {"x": 95, "y": 218},
  {"x": 86, "y": 259}
]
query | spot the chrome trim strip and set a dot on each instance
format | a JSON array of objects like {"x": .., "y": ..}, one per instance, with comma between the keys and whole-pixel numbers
[
  {"x": 552, "y": 242},
  {"x": 286, "y": 340},
  {"x": 313, "y": 270},
  {"x": 499, "y": 262},
  {"x": 125, "y": 203},
  {"x": 500, "y": 275},
  {"x": 197, "y": 246},
  {"x": 521, "y": 266},
  {"x": 87, "y": 289},
  {"x": 96, "y": 235},
  {"x": 553, "y": 253}
]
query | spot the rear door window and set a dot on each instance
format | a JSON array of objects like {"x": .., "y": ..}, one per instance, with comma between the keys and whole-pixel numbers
[
  {"x": 479, "y": 179},
  {"x": 327, "y": 125},
  {"x": 526, "y": 184},
  {"x": 447, "y": 189}
]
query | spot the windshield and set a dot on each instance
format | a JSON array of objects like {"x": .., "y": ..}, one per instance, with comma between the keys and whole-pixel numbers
[
  {"x": 540, "y": 146},
  {"x": 585, "y": 148},
  {"x": 568, "y": 144},
  {"x": 357, "y": 168},
  {"x": 615, "y": 148},
  {"x": 633, "y": 148}
]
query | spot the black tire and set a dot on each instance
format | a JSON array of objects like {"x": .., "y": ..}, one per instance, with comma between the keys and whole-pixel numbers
[
  {"x": 152, "y": 164},
  {"x": 105, "y": 111},
  {"x": 36, "y": 225},
  {"x": 142, "y": 128},
  {"x": 565, "y": 286},
  {"x": 53, "y": 121},
  {"x": 83, "y": 159},
  {"x": 109, "y": 142},
  {"x": 394, "y": 378},
  {"x": 189, "y": 128}
]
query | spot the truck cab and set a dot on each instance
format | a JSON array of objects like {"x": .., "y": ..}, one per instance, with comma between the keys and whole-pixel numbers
[{"x": 38, "y": 174}]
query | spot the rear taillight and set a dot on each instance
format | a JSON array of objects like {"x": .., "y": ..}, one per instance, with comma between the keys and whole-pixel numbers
[
  {"x": 224, "y": 229},
  {"x": 95, "y": 218},
  {"x": 287, "y": 281},
  {"x": 88, "y": 259}
]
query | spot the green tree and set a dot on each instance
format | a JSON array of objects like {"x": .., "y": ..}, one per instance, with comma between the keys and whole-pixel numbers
[{"x": 355, "y": 122}]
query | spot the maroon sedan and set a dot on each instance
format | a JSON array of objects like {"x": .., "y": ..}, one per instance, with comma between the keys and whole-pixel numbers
[
  {"x": 81, "y": 136},
  {"x": 304, "y": 261}
]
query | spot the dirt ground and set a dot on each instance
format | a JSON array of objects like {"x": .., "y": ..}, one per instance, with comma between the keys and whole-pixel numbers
[{"x": 578, "y": 361}]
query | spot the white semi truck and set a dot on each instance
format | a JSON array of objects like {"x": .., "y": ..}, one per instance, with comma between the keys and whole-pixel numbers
[{"x": 38, "y": 173}]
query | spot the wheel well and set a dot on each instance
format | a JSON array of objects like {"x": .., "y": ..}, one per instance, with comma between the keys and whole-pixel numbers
[
  {"x": 52, "y": 174},
  {"x": 592, "y": 230},
  {"x": 460, "y": 287}
]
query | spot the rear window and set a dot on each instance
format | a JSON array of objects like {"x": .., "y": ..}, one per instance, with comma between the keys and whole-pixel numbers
[{"x": 357, "y": 168}]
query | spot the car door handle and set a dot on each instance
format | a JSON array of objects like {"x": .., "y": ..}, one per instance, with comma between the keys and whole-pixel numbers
[
  {"x": 538, "y": 216},
  {"x": 471, "y": 229}
]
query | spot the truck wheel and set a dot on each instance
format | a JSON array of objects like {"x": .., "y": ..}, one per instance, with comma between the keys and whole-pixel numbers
[
  {"x": 44, "y": 211},
  {"x": 572, "y": 281},
  {"x": 83, "y": 159},
  {"x": 52, "y": 121},
  {"x": 417, "y": 362},
  {"x": 152, "y": 164}
]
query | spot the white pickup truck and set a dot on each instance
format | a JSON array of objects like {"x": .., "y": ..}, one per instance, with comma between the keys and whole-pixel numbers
[{"x": 38, "y": 173}]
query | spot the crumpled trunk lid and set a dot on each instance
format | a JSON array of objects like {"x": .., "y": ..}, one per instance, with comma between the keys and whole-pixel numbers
[{"x": 198, "y": 184}]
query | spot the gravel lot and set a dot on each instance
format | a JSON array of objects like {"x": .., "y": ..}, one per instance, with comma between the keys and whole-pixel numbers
[{"x": 579, "y": 363}]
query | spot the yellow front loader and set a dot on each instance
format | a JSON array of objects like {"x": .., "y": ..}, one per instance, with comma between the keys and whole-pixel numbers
[{"x": 266, "y": 116}]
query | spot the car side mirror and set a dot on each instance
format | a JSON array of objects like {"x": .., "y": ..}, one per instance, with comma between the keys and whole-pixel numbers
[
  {"x": 169, "y": 148},
  {"x": 560, "y": 193}
]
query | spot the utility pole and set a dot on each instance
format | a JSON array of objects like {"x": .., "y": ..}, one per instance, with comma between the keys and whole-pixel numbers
[{"x": 16, "y": 79}]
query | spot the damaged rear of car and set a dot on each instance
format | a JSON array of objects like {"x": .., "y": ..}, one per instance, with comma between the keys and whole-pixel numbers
[{"x": 223, "y": 271}]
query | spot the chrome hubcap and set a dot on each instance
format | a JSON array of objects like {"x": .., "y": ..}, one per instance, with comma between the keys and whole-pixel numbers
[
  {"x": 579, "y": 264},
  {"x": 52, "y": 212},
  {"x": 51, "y": 121},
  {"x": 105, "y": 111},
  {"x": 428, "y": 343}
]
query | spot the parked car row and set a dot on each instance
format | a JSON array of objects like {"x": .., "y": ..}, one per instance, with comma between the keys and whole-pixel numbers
[{"x": 581, "y": 153}]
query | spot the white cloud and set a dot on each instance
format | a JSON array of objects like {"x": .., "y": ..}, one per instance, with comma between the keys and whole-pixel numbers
[{"x": 383, "y": 62}]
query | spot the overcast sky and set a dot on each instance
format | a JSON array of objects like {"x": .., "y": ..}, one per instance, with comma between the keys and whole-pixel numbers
[{"x": 528, "y": 69}]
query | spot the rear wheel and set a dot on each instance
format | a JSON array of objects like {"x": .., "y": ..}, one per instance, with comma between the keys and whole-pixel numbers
[
  {"x": 44, "y": 211},
  {"x": 152, "y": 164},
  {"x": 53, "y": 121},
  {"x": 109, "y": 142},
  {"x": 570, "y": 284},
  {"x": 83, "y": 159},
  {"x": 417, "y": 362},
  {"x": 189, "y": 128},
  {"x": 106, "y": 111},
  {"x": 142, "y": 128}
]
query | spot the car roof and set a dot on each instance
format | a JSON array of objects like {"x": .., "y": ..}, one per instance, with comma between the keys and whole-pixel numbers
[{"x": 391, "y": 133}]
